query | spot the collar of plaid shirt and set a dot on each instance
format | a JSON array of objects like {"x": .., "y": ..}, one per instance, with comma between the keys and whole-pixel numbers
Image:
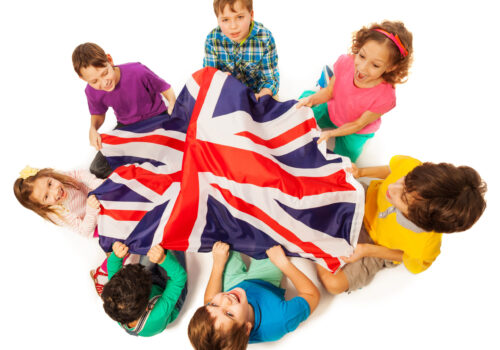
[{"x": 252, "y": 32}]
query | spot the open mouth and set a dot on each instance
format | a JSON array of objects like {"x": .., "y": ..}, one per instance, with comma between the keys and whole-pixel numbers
[
  {"x": 360, "y": 76},
  {"x": 235, "y": 296},
  {"x": 61, "y": 195}
]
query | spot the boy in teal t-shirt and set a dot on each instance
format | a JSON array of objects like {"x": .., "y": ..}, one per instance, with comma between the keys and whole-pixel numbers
[
  {"x": 136, "y": 299},
  {"x": 247, "y": 305}
]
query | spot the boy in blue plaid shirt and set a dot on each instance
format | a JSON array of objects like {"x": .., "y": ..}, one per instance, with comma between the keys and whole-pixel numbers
[{"x": 242, "y": 47}]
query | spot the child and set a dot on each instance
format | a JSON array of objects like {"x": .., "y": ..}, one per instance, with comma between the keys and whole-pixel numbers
[
  {"x": 131, "y": 298},
  {"x": 403, "y": 213},
  {"x": 243, "y": 47},
  {"x": 362, "y": 87},
  {"x": 253, "y": 307},
  {"x": 62, "y": 198},
  {"x": 132, "y": 90}
]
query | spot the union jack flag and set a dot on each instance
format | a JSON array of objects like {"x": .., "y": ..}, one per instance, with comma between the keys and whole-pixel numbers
[{"x": 224, "y": 167}]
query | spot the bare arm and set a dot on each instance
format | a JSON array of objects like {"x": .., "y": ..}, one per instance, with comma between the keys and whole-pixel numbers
[
  {"x": 96, "y": 121},
  {"x": 322, "y": 96},
  {"x": 220, "y": 254},
  {"x": 375, "y": 251},
  {"x": 351, "y": 127},
  {"x": 379, "y": 172},
  {"x": 304, "y": 285},
  {"x": 170, "y": 96}
]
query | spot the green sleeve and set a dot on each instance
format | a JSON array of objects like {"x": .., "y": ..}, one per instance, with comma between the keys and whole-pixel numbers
[
  {"x": 175, "y": 284},
  {"x": 114, "y": 264}
]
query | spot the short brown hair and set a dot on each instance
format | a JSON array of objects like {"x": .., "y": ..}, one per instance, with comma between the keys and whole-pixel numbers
[
  {"x": 204, "y": 336},
  {"x": 447, "y": 198},
  {"x": 23, "y": 188},
  {"x": 400, "y": 74},
  {"x": 220, "y": 5},
  {"x": 88, "y": 54}
]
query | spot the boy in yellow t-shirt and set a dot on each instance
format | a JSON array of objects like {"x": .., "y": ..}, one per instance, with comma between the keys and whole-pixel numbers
[{"x": 403, "y": 213}]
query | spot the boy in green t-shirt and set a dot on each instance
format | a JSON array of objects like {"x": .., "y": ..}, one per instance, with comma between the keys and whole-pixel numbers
[{"x": 138, "y": 301}]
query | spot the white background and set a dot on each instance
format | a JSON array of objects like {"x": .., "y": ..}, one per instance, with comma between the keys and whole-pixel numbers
[{"x": 447, "y": 111}]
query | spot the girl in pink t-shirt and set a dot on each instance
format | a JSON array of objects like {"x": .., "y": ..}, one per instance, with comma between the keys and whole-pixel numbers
[{"x": 362, "y": 86}]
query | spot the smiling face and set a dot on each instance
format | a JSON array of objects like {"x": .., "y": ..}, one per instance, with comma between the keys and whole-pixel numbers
[
  {"x": 101, "y": 78},
  {"x": 48, "y": 191},
  {"x": 230, "y": 309},
  {"x": 235, "y": 24},
  {"x": 372, "y": 60}
]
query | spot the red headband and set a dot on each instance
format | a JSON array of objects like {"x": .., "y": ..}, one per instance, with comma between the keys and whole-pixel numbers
[{"x": 395, "y": 40}]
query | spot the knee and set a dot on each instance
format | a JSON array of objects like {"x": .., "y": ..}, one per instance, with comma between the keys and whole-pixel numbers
[{"x": 334, "y": 284}]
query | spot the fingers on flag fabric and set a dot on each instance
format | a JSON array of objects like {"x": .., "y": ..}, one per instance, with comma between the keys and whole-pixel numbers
[{"x": 224, "y": 167}]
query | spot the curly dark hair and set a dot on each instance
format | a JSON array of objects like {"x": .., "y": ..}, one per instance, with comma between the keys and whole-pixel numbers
[
  {"x": 400, "y": 74},
  {"x": 447, "y": 198},
  {"x": 125, "y": 297},
  {"x": 204, "y": 336}
]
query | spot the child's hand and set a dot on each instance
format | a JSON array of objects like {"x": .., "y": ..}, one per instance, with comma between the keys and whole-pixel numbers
[
  {"x": 93, "y": 202},
  {"x": 277, "y": 256},
  {"x": 325, "y": 135},
  {"x": 95, "y": 139},
  {"x": 359, "y": 253},
  {"x": 264, "y": 91},
  {"x": 220, "y": 253},
  {"x": 306, "y": 101},
  {"x": 354, "y": 170},
  {"x": 156, "y": 254},
  {"x": 120, "y": 249}
]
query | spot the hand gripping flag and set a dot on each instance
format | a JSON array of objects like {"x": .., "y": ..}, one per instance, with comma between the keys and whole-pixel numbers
[{"x": 224, "y": 167}]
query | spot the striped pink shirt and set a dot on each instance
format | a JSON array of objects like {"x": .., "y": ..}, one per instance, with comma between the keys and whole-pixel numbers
[{"x": 75, "y": 213}]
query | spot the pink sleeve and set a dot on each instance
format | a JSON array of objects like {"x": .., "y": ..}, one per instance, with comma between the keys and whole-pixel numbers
[
  {"x": 85, "y": 227},
  {"x": 339, "y": 65},
  {"x": 86, "y": 177},
  {"x": 385, "y": 102}
]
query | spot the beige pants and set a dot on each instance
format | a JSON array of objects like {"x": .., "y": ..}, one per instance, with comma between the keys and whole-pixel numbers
[{"x": 361, "y": 272}]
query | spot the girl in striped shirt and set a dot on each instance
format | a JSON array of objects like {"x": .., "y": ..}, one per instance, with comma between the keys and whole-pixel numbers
[{"x": 62, "y": 198}]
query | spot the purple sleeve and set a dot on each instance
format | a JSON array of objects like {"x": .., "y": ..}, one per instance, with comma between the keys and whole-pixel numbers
[
  {"x": 153, "y": 81},
  {"x": 95, "y": 104}
]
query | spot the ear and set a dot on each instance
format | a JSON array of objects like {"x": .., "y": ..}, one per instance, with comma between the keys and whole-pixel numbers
[
  {"x": 249, "y": 327},
  {"x": 390, "y": 69},
  {"x": 110, "y": 59},
  {"x": 251, "y": 15}
]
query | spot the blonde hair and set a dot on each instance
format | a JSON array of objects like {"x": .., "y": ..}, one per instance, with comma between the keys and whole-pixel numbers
[{"x": 23, "y": 188}]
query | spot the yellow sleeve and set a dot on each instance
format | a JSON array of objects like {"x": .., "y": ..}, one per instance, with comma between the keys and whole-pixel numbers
[{"x": 416, "y": 263}]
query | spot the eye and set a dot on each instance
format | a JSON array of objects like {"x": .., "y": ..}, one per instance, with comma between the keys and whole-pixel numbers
[
  {"x": 362, "y": 56},
  {"x": 376, "y": 66},
  {"x": 50, "y": 183},
  {"x": 229, "y": 314},
  {"x": 240, "y": 17},
  {"x": 212, "y": 304}
]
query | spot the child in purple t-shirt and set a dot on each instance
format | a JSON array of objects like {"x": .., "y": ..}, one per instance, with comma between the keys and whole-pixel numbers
[{"x": 132, "y": 90}]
